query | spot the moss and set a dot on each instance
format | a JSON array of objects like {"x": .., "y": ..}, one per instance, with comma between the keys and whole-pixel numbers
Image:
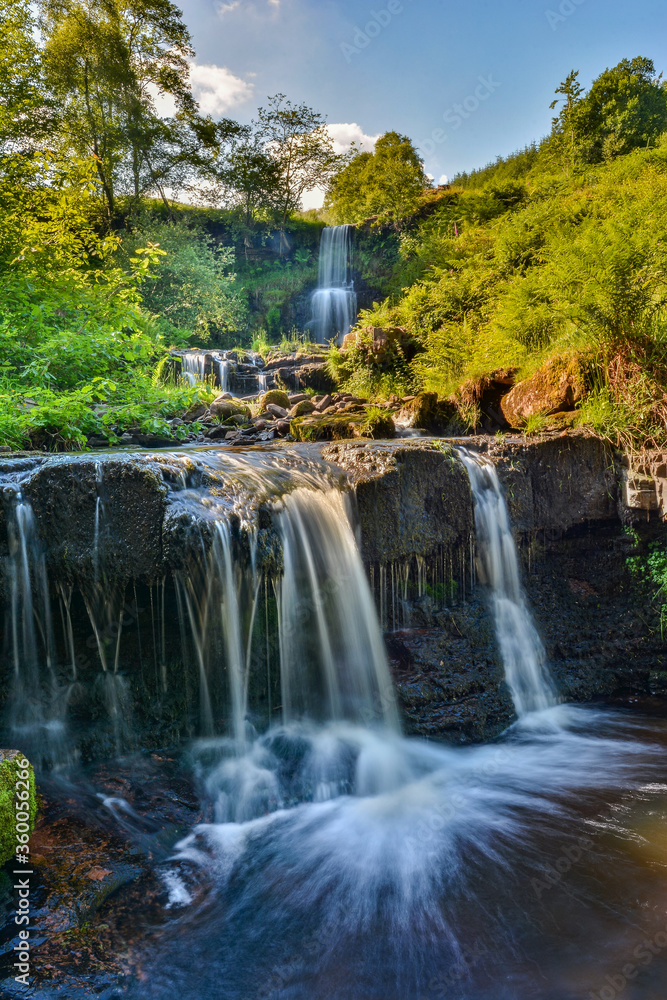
[
  {"x": 378, "y": 424},
  {"x": 275, "y": 396},
  {"x": 9, "y": 776},
  {"x": 328, "y": 428}
]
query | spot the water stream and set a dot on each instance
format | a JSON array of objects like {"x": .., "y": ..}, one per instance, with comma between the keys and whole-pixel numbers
[{"x": 340, "y": 859}]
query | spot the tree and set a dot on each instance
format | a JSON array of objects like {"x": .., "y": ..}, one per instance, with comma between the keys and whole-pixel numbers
[
  {"x": 625, "y": 109},
  {"x": 387, "y": 182},
  {"x": 566, "y": 127},
  {"x": 296, "y": 139},
  {"x": 106, "y": 61},
  {"x": 25, "y": 112},
  {"x": 251, "y": 176}
]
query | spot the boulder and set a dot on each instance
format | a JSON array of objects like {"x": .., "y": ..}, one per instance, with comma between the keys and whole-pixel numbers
[
  {"x": 380, "y": 341},
  {"x": 276, "y": 411},
  {"x": 302, "y": 408},
  {"x": 323, "y": 404},
  {"x": 556, "y": 387},
  {"x": 224, "y": 407},
  {"x": 275, "y": 397}
]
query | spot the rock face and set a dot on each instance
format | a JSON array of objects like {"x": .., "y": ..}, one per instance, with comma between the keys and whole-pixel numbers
[
  {"x": 556, "y": 388},
  {"x": 412, "y": 499},
  {"x": 569, "y": 509}
]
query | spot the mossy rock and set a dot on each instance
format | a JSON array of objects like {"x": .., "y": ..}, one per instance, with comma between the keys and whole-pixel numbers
[
  {"x": 343, "y": 427},
  {"x": 275, "y": 396},
  {"x": 556, "y": 387},
  {"x": 10, "y": 774},
  {"x": 302, "y": 409}
]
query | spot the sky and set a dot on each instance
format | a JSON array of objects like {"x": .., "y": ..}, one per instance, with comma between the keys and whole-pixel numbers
[{"x": 467, "y": 81}]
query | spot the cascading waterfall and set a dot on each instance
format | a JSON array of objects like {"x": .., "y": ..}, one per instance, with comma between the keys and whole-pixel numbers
[
  {"x": 342, "y": 859},
  {"x": 38, "y": 705},
  {"x": 223, "y": 372},
  {"x": 332, "y": 657},
  {"x": 193, "y": 367},
  {"x": 334, "y": 302},
  {"x": 521, "y": 648}
]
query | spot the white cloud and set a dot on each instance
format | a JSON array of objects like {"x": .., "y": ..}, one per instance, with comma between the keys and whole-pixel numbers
[
  {"x": 443, "y": 179},
  {"x": 217, "y": 89},
  {"x": 227, "y": 8},
  {"x": 345, "y": 133}
]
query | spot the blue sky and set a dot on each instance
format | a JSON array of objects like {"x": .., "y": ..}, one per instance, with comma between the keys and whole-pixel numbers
[{"x": 407, "y": 64}]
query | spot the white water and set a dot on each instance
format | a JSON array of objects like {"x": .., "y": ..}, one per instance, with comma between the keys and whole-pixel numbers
[
  {"x": 193, "y": 367},
  {"x": 334, "y": 302},
  {"x": 521, "y": 648},
  {"x": 332, "y": 659},
  {"x": 223, "y": 373}
]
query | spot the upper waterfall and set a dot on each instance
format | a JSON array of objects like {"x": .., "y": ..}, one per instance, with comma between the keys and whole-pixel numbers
[{"x": 334, "y": 303}]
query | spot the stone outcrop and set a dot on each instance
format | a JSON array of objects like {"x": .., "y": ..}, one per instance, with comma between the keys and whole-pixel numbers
[
  {"x": 556, "y": 388},
  {"x": 567, "y": 499}
]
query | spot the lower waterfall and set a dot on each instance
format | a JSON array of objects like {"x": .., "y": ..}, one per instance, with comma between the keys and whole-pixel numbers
[{"x": 328, "y": 855}]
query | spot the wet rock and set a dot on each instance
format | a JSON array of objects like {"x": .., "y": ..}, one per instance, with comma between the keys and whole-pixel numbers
[
  {"x": 276, "y": 411},
  {"x": 556, "y": 388},
  {"x": 64, "y": 497},
  {"x": 411, "y": 499},
  {"x": 283, "y": 427}
]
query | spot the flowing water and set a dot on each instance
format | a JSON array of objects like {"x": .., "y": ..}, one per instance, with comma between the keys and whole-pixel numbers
[
  {"x": 343, "y": 860},
  {"x": 334, "y": 302},
  {"x": 521, "y": 648}
]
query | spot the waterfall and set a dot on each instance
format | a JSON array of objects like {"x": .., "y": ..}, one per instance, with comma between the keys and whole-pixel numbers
[
  {"x": 332, "y": 657},
  {"x": 37, "y": 715},
  {"x": 193, "y": 366},
  {"x": 334, "y": 303},
  {"x": 223, "y": 373},
  {"x": 521, "y": 648},
  {"x": 263, "y": 382}
]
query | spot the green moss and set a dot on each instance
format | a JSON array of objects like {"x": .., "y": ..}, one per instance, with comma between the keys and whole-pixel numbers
[
  {"x": 328, "y": 428},
  {"x": 276, "y": 397},
  {"x": 10, "y": 774}
]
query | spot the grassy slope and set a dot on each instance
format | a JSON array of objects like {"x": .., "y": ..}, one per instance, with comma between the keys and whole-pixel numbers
[{"x": 519, "y": 264}]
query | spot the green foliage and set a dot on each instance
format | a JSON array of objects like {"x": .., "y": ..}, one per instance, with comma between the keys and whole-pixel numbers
[
  {"x": 507, "y": 275},
  {"x": 388, "y": 182},
  {"x": 650, "y": 571},
  {"x": 103, "y": 59},
  {"x": 10, "y": 774},
  {"x": 191, "y": 288}
]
